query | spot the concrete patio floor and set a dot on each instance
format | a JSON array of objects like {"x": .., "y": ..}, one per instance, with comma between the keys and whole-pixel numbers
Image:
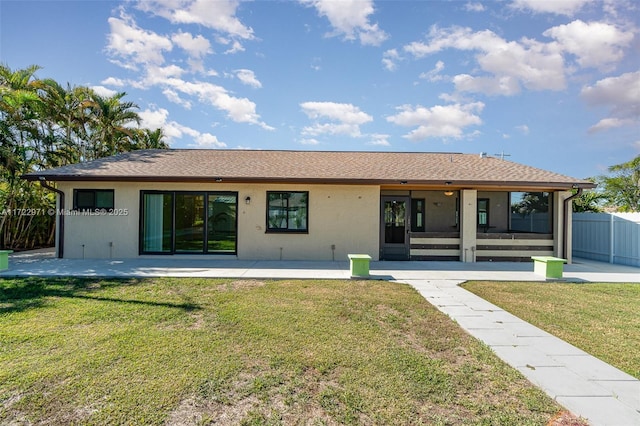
[
  {"x": 44, "y": 263},
  {"x": 580, "y": 382}
]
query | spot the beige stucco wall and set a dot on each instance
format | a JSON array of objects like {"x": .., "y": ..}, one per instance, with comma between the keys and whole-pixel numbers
[
  {"x": 440, "y": 210},
  {"x": 343, "y": 216},
  {"x": 498, "y": 210}
]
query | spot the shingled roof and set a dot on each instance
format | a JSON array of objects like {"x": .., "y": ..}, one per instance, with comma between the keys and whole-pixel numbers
[{"x": 344, "y": 167}]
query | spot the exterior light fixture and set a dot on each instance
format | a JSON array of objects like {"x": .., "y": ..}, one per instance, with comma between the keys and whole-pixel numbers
[
  {"x": 448, "y": 192},
  {"x": 247, "y": 200},
  {"x": 219, "y": 179}
]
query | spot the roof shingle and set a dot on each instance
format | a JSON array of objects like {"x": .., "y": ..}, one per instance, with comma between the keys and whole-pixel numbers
[{"x": 345, "y": 167}]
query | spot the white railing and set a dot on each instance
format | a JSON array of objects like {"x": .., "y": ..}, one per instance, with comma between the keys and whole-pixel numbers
[{"x": 607, "y": 237}]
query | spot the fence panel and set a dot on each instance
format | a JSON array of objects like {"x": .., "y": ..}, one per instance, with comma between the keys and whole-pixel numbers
[{"x": 607, "y": 237}]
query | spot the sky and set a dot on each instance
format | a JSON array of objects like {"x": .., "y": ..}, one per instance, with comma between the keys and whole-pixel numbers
[{"x": 554, "y": 84}]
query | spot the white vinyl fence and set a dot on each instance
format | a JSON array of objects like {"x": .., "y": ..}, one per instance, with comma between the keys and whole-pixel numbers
[{"x": 607, "y": 237}]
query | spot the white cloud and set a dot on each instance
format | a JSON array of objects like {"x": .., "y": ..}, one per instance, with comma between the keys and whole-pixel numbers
[
  {"x": 157, "y": 119},
  {"x": 445, "y": 121},
  {"x": 196, "y": 47},
  {"x": 335, "y": 111},
  {"x": 596, "y": 44},
  {"x": 474, "y": 7},
  {"x": 157, "y": 75},
  {"x": 523, "y": 128},
  {"x": 610, "y": 123},
  {"x": 236, "y": 47},
  {"x": 219, "y": 15},
  {"x": 389, "y": 59},
  {"x": 135, "y": 44},
  {"x": 434, "y": 74},
  {"x": 103, "y": 91},
  {"x": 240, "y": 110},
  {"x": 504, "y": 85},
  {"x": 351, "y": 19},
  {"x": 248, "y": 77},
  {"x": 174, "y": 97},
  {"x": 309, "y": 141},
  {"x": 510, "y": 64},
  {"x": 113, "y": 81},
  {"x": 558, "y": 7},
  {"x": 343, "y": 118},
  {"x": 134, "y": 47},
  {"x": 621, "y": 95},
  {"x": 207, "y": 140},
  {"x": 378, "y": 139}
]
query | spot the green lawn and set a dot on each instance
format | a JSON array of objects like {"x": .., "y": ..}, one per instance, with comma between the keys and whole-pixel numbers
[
  {"x": 601, "y": 319},
  {"x": 191, "y": 351}
]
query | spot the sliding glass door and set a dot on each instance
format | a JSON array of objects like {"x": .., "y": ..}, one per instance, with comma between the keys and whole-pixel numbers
[
  {"x": 221, "y": 223},
  {"x": 189, "y": 226},
  {"x": 188, "y": 222},
  {"x": 157, "y": 223}
]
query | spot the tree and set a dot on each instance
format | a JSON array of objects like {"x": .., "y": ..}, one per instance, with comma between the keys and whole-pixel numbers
[
  {"x": 622, "y": 190},
  {"x": 111, "y": 124},
  {"x": 20, "y": 152},
  {"x": 588, "y": 201},
  {"x": 591, "y": 200},
  {"x": 150, "y": 139},
  {"x": 44, "y": 125},
  {"x": 531, "y": 202}
]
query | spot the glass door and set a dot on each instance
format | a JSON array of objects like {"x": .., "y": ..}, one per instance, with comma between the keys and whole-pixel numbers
[
  {"x": 157, "y": 223},
  {"x": 188, "y": 222},
  {"x": 221, "y": 223},
  {"x": 189, "y": 229},
  {"x": 394, "y": 232}
]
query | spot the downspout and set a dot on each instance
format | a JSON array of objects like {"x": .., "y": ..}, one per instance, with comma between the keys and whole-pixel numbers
[
  {"x": 44, "y": 184},
  {"x": 565, "y": 221}
]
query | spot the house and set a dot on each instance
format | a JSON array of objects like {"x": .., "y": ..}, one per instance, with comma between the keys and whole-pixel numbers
[{"x": 255, "y": 204}]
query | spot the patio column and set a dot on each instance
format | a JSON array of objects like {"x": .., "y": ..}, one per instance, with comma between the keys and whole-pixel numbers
[
  {"x": 559, "y": 225},
  {"x": 468, "y": 225}
]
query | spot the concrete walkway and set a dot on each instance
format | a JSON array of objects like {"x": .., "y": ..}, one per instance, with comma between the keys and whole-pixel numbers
[{"x": 580, "y": 382}]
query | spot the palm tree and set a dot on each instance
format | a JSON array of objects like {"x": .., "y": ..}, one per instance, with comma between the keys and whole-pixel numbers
[
  {"x": 21, "y": 111},
  {"x": 111, "y": 124},
  {"x": 42, "y": 125},
  {"x": 65, "y": 119},
  {"x": 150, "y": 139}
]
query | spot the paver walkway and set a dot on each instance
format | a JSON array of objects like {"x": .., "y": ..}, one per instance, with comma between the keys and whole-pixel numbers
[{"x": 580, "y": 382}]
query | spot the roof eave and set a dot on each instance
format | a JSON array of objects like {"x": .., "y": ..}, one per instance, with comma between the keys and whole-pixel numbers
[{"x": 337, "y": 181}]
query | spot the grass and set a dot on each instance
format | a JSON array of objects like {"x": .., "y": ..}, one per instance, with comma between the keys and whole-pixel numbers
[
  {"x": 195, "y": 351},
  {"x": 601, "y": 319}
]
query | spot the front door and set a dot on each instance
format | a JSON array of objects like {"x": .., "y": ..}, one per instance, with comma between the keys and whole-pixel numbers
[{"x": 394, "y": 228}]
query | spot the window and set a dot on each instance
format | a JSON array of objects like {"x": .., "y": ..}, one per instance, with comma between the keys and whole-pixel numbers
[
  {"x": 287, "y": 211},
  {"x": 93, "y": 199},
  {"x": 483, "y": 214},
  {"x": 417, "y": 215},
  {"x": 531, "y": 212},
  {"x": 188, "y": 222}
]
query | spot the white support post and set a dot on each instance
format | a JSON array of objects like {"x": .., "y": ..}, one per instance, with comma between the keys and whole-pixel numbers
[
  {"x": 468, "y": 224},
  {"x": 612, "y": 229}
]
